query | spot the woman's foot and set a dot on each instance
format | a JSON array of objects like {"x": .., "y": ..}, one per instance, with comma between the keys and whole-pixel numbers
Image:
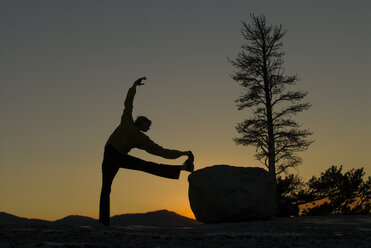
[{"x": 188, "y": 164}]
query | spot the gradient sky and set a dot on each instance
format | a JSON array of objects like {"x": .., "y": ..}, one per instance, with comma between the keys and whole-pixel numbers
[{"x": 66, "y": 67}]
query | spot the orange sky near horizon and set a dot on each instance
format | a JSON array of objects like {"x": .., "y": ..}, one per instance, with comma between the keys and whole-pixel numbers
[{"x": 66, "y": 67}]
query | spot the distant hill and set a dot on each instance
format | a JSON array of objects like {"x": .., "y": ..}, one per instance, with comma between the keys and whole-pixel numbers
[
  {"x": 9, "y": 219},
  {"x": 76, "y": 220},
  {"x": 156, "y": 218},
  {"x": 159, "y": 218}
]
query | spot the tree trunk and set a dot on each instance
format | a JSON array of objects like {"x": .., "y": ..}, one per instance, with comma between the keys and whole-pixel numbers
[{"x": 271, "y": 144}]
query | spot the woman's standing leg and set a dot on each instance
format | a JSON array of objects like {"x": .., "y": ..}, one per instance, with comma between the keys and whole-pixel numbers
[{"x": 109, "y": 171}]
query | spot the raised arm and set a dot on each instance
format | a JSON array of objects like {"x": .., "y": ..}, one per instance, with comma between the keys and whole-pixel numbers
[{"x": 130, "y": 98}]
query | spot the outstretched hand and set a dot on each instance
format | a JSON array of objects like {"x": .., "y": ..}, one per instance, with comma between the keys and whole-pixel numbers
[{"x": 139, "y": 81}]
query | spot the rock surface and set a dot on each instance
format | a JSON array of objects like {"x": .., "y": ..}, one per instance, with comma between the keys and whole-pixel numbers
[
  {"x": 303, "y": 232},
  {"x": 223, "y": 193}
]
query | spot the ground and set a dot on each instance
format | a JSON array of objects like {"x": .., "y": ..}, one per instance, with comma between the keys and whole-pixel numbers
[{"x": 329, "y": 231}]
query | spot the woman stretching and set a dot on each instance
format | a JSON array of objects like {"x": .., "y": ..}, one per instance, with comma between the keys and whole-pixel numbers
[{"x": 128, "y": 135}]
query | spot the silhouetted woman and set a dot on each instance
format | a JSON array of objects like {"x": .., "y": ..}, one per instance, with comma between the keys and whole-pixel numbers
[{"x": 130, "y": 134}]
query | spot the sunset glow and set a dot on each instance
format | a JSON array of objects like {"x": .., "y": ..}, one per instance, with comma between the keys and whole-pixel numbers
[{"x": 66, "y": 67}]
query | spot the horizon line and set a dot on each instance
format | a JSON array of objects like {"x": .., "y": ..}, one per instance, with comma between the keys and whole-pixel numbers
[{"x": 152, "y": 211}]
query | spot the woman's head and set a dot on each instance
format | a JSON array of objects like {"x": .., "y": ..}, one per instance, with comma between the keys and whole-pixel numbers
[{"x": 143, "y": 123}]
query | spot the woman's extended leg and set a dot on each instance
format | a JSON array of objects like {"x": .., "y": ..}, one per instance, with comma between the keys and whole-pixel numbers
[
  {"x": 133, "y": 163},
  {"x": 162, "y": 170}
]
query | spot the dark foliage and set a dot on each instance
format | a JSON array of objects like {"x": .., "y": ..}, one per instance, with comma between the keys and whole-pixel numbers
[
  {"x": 289, "y": 186},
  {"x": 341, "y": 193},
  {"x": 347, "y": 193},
  {"x": 271, "y": 129},
  {"x": 287, "y": 189}
]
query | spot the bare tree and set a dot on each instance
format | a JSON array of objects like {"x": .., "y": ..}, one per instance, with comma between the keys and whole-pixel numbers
[{"x": 271, "y": 129}]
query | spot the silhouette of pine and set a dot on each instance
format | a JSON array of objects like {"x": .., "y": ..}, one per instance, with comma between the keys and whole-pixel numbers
[{"x": 259, "y": 70}]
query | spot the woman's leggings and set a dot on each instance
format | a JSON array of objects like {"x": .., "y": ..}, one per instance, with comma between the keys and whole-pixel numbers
[{"x": 112, "y": 161}]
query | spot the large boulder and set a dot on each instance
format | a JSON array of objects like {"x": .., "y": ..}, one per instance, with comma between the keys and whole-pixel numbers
[{"x": 223, "y": 193}]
